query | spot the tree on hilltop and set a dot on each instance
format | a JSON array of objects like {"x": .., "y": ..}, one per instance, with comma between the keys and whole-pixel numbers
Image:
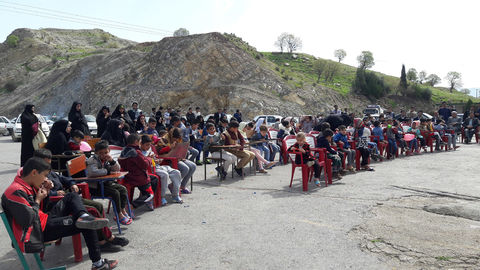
[
  {"x": 181, "y": 32},
  {"x": 412, "y": 75},
  {"x": 365, "y": 60},
  {"x": 289, "y": 42},
  {"x": 422, "y": 76},
  {"x": 454, "y": 80},
  {"x": 433, "y": 79},
  {"x": 340, "y": 54}
]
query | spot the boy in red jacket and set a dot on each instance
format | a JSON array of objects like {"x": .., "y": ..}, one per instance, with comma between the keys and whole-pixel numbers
[
  {"x": 132, "y": 160},
  {"x": 32, "y": 227}
]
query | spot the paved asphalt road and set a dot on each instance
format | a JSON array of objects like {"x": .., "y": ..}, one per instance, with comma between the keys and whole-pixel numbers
[{"x": 261, "y": 223}]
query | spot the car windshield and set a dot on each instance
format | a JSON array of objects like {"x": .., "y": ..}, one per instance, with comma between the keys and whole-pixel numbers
[
  {"x": 370, "y": 111},
  {"x": 90, "y": 118}
]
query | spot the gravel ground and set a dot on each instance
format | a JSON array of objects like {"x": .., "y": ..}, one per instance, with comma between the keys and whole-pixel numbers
[{"x": 368, "y": 220}]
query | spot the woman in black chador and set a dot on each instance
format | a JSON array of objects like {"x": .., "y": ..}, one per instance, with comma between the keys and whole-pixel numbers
[{"x": 30, "y": 126}]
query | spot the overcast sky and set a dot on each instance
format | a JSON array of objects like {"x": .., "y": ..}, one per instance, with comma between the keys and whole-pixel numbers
[{"x": 432, "y": 35}]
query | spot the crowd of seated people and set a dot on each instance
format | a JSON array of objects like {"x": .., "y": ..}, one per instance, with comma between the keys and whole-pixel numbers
[{"x": 150, "y": 144}]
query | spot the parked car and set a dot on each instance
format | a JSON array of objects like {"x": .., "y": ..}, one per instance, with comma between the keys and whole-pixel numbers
[
  {"x": 229, "y": 116},
  {"x": 92, "y": 124},
  {"x": 373, "y": 110},
  {"x": 269, "y": 119},
  {"x": 17, "y": 129},
  {"x": 4, "y": 126}
]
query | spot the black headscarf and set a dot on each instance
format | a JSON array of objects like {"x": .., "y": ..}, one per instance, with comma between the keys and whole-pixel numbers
[
  {"x": 78, "y": 119},
  {"x": 118, "y": 115},
  {"x": 28, "y": 119},
  {"x": 113, "y": 134},
  {"x": 138, "y": 123},
  {"x": 58, "y": 139},
  {"x": 102, "y": 121}
]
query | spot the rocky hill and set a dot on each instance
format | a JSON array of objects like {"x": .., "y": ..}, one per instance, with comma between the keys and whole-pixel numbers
[{"x": 51, "y": 68}]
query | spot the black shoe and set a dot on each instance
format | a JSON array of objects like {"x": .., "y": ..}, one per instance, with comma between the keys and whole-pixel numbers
[
  {"x": 219, "y": 170},
  {"x": 239, "y": 171},
  {"x": 224, "y": 174},
  {"x": 106, "y": 265},
  {"x": 108, "y": 247},
  {"x": 119, "y": 241},
  {"x": 91, "y": 223}
]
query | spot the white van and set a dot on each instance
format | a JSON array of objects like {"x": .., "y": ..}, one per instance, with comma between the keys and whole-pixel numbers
[
  {"x": 269, "y": 119},
  {"x": 373, "y": 110}
]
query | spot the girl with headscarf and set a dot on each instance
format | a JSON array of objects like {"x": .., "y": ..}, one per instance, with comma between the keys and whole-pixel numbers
[
  {"x": 114, "y": 133},
  {"x": 30, "y": 126},
  {"x": 77, "y": 119},
  {"x": 120, "y": 113},
  {"x": 141, "y": 123},
  {"x": 103, "y": 116},
  {"x": 58, "y": 139}
]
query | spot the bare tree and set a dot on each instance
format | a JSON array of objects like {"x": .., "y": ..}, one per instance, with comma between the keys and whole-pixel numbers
[
  {"x": 281, "y": 41},
  {"x": 340, "y": 54},
  {"x": 293, "y": 43},
  {"x": 454, "y": 79},
  {"x": 331, "y": 70}
]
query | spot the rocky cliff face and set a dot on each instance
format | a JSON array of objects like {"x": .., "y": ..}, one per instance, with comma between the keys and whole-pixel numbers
[{"x": 55, "y": 67}]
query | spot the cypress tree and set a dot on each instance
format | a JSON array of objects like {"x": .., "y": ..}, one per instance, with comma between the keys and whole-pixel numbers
[{"x": 403, "y": 81}]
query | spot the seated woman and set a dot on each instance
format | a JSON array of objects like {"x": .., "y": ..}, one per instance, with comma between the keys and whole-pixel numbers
[
  {"x": 114, "y": 134},
  {"x": 57, "y": 141}
]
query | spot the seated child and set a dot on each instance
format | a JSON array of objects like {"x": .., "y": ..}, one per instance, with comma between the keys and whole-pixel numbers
[
  {"x": 341, "y": 136},
  {"x": 302, "y": 146},
  {"x": 362, "y": 137},
  {"x": 163, "y": 171},
  {"x": 265, "y": 145},
  {"x": 101, "y": 164},
  {"x": 390, "y": 134},
  {"x": 59, "y": 183},
  {"x": 21, "y": 202},
  {"x": 336, "y": 157},
  {"x": 418, "y": 135},
  {"x": 186, "y": 167},
  {"x": 151, "y": 128},
  {"x": 378, "y": 131},
  {"x": 132, "y": 160},
  {"x": 233, "y": 137},
  {"x": 214, "y": 138},
  {"x": 76, "y": 138}
]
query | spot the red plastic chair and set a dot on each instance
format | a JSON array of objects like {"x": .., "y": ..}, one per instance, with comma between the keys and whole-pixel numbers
[
  {"x": 314, "y": 133},
  {"x": 311, "y": 140},
  {"x": 307, "y": 172},
  {"x": 286, "y": 143},
  {"x": 428, "y": 136}
]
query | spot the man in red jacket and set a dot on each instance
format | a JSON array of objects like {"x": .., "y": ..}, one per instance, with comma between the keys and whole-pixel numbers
[
  {"x": 32, "y": 227},
  {"x": 132, "y": 160}
]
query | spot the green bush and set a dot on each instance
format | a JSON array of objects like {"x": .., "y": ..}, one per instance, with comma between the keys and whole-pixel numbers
[
  {"x": 419, "y": 91},
  {"x": 369, "y": 84},
  {"x": 12, "y": 41}
]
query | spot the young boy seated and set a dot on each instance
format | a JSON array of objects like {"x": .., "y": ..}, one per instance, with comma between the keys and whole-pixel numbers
[
  {"x": 163, "y": 171},
  {"x": 213, "y": 138},
  {"x": 341, "y": 136},
  {"x": 265, "y": 145},
  {"x": 378, "y": 131},
  {"x": 151, "y": 129},
  {"x": 100, "y": 164},
  {"x": 233, "y": 137},
  {"x": 336, "y": 157},
  {"x": 76, "y": 138},
  {"x": 302, "y": 146},
  {"x": 390, "y": 134},
  {"x": 21, "y": 203},
  {"x": 136, "y": 164},
  {"x": 106, "y": 239}
]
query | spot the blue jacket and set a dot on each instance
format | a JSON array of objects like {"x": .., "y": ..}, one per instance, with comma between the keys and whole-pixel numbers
[
  {"x": 343, "y": 138},
  {"x": 257, "y": 137},
  {"x": 378, "y": 131}
]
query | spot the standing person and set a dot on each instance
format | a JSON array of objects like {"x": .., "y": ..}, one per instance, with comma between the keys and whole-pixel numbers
[
  {"x": 30, "y": 126},
  {"x": 77, "y": 119},
  {"x": 217, "y": 116},
  {"x": 121, "y": 114},
  {"x": 167, "y": 117},
  {"x": 238, "y": 115},
  {"x": 444, "y": 111},
  {"x": 197, "y": 112},
  {"x": 336, "y": 110},
  {"x": 135, "y": 112},
  {"x": 190, "y": 116},
  {"x": 103, "y": 117}
]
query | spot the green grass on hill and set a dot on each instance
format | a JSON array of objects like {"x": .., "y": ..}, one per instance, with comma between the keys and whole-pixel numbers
[{"x": 299, "y": 73}]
